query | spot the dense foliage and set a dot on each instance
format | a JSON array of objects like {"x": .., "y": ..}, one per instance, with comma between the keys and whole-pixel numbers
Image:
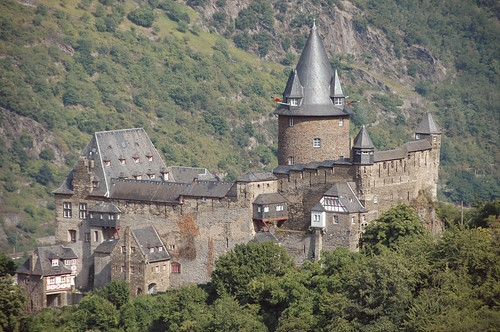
[{"x": 412, "y": 282}]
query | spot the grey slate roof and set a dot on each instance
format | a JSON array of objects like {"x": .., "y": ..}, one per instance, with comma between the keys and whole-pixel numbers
[
  {"x": 147, "y": 237},
  {"x": 363, "y": 140},
  {"x": 271, "y": 198},
  {"x": 105, "y": 207},
  {"x": 107, "y": 246},
  {"x": 347, "y": 197},
  {"x": 257, "y": 176},
  {"x": 336, "y": 87},
  {"x": 401, "y": 152},
  {"x": 263, "y": 236},
  {"x": 147, "y": 191},
  {"x": 313, "y": 78},
  {"x": 112, "y": 146},
  {"x": 428, "y": 125},
  {"x": 188, "y": 174},
  {"x": 211, "y": 189},
  {"x": 43, "y": 263},
  {"x": 282, "y": 169}
]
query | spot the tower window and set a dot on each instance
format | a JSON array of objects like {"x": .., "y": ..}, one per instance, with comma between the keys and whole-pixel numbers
[
  {"x": 293, "y": 102},
  {"x": 341, "y": 122},
  {"x": 72, "y": 235},
  {"x": 316, "y": 142},
  {"x": 291, "y": 122},
  {"x": 290, "y": 161},
  {"x": 83, "y": 210},
  {"x": 417, "y": 136},
  {"x": 338, "y": 101},
  {"x": 67, "y": 210}
]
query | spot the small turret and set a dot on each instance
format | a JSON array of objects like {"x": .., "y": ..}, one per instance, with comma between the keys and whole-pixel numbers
[
  {"x": 337, "y": 94},
  {"x": 363, "y": 148},
  {"x": 428, "y": 129}
]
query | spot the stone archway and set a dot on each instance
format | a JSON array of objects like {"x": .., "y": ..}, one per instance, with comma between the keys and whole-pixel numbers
[{"x": 152, "y": 288}]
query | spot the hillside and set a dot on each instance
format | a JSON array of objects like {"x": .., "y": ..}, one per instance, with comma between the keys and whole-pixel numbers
[{"x": 200, "y": 76}]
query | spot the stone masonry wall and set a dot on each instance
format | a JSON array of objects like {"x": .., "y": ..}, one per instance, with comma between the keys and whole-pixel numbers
[{"x": 297, "y": 140}]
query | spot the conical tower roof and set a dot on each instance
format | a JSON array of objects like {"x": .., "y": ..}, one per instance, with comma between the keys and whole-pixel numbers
[
  {"x": 363, "y": 140},
  {"x": 336, "y": 87},
  {"x": 315, "y": 81},
  {"x": 428, "y": 126}
]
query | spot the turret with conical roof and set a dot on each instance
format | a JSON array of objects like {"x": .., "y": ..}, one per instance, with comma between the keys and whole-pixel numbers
[
  {"x": 429, "y": 129},
  {"x": 363, "y": 148},
  {"x": 313, "y": 120}
]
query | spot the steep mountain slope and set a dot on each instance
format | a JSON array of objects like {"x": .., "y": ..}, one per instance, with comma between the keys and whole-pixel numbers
[{"x": 199, "y": 76}]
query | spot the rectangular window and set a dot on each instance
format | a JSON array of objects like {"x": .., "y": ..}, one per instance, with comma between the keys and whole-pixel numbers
[
  {"x": 150, "y": 158},
  {"x": 67, "y": 262},
  {"x": 291, "y": 122},
  {"x": 171, "y": 247},
  {"x": 123, "y": 161},
  {"x": 160, "y": 248},
  {"x": 291, "y": 161},
  {"x": 107, "y": 163},
  {"x": 341, "y": 122},
  {"x": 317, "y": 217},
  {"x": 316, "y": 142},
  {"x": 124, "y": 249},
  {"x": 67, "y": 210},
  {"x": 175, "y": 268},
  {"x": 375, "y": 200},
  {"x": 152, "y": 249},
  {"x": 123, "y": 268},
  {"x": 132, "y": 250},
  {"x": 87, "y": 237},
  {"x": 72, "y": 235},
  {"x": 294, "y": 102},
  {"x": 137, "y": 160},
  {"x": 279, "y": 207},
  {"x": 132, "y": 269},
  {"x": 55, "y": 262},
  {"x": 157, "y": 268},
  {"x": 83, "y": 211},
  {"x": 73, "y": 261},
  {"x": 335, "y": 219},
  {"x": 337, "y": 101},
  {"x": 259, "y": 209},
  {"x": 266, "y": 208},
  {"x": 96, "y": 236}
]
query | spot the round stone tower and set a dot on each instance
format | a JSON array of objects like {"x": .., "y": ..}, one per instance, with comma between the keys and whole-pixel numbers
[{"x": 313, "y": 119}]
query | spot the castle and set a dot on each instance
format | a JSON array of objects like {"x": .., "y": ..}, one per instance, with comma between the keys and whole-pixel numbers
[{"x": 123, "y": 214}]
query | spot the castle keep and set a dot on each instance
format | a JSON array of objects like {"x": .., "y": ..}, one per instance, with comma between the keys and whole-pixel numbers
[{"x": 126, "y": 215}]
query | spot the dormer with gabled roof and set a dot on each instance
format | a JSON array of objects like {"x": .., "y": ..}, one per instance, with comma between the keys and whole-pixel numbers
[
  {"x": 363, "y": 148},
  {"x": 314, "y": 119}
]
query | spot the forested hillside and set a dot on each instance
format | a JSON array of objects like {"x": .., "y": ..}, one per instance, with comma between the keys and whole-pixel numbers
[{"x": 200, "y": 75}]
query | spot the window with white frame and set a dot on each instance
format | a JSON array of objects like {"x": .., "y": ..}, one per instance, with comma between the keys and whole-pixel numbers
[
  {"x": 375, "y": 199},
  {"x": 55, "y": 262},
  {"x": 83, "y": 211},
  {"x": 123, "y": 161},
  {"x": 291, "y": 161},
  {"x": 279, "y": 207},
  {"x": 150, "y": 158},
  {"x": 293, "y": 101},
  {"x": 259, "y": 209},
  {"x": 338, "y": 101},
  {"x": 266, "y": 208},
  {"x": 316, "y": 217},
  {"x": 291, "y": 122},
  {"x": 67, "y": 212},
  {"x": 341, "y": 122},
  {"x": 136, "y": 160},
  {"x": 316, "y": 142}
]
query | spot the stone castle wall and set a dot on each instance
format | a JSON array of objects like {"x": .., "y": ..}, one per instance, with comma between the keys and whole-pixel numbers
[{"x": 297, "y": 141}]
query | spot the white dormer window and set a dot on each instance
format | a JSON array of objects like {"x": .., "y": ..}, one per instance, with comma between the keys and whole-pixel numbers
[
  {"x": 279, "y": 207},
  {"x": 152, "y": 249},
  {"x": 138, "y": 177},
  {"x": 152, "y": 176},
  {"x": 338, "y": 101},
  {"x": 160, "y": 248},
  {"x": 55, "y": 262},
  {"x": 137, "y": 160},
  {"x": 266, "y": 208},
  {"x": 107, "y": 163},
  {"x": 150, "y": 158},
  {"x": 123, "y": 161},
  {"x": 293, "y": 101}
]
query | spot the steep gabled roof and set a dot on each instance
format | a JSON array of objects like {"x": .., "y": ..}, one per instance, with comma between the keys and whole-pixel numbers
[
  {"x": 43, "y": 261},
  {"x": 147, "y": 237},
  {"x": 336, "y": 87},
  {"x": 107, "y": 246},
  {"x": 263, "y": 236},
  {"x": 363, "y": 140},
  {"x": 294, "y": 88},
  {"x": 428, "y": 125},
  {"x": 347, "y": 197}
]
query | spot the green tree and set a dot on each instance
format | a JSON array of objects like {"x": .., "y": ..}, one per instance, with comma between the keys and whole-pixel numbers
[
  {"x": 142, "y": 16},
  {"x": 12, "y": 300},
  {"x": 398, "y": 222},
  {"x": 7, "y": 266},
  {"x": 116, "y": 292},
  {"x": 236, "y": 269},
  {"x": 94, "y": 312}
]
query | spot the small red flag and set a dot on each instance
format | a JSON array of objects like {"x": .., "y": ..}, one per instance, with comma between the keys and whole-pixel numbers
[
  {"x": 277, "y": 100},
  {"x": 352, "y": 101}
]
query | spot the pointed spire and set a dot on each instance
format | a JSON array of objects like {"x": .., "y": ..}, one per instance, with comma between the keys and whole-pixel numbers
[
  {"x": 336, "y": 87},
  {"x": 363, "y": 140},
  {"x": 293, "y": 87},
  {"x": 315, "y": 71},
  {"x": 428, "y": 126}
]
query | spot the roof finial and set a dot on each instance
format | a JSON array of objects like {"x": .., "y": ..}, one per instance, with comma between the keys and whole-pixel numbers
[{"x": 314, "y": 22}]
